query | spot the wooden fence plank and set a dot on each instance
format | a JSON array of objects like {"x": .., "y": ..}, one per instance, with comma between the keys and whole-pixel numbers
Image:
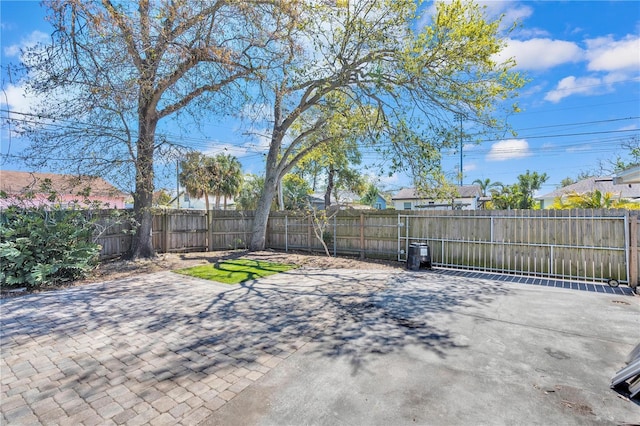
[{"x": 560, "y": 243}]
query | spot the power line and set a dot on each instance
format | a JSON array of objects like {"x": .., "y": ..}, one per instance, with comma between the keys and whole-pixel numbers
[
  {"x": 253, "y": 150},
  {"x": 581, "y": 123},
  {"x": 525, "y": 113}
]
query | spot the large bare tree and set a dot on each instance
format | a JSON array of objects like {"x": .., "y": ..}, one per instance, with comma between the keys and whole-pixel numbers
[
  {"x": 115, "y": 70},
  {"x": 397, "y": 85}
]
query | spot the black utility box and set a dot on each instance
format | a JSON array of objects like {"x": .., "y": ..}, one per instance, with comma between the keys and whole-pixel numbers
[{"x": 419, "y": 255}]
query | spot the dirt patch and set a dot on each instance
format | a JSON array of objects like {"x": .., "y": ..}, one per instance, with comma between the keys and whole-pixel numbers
[{"x": 117, "y": 269}]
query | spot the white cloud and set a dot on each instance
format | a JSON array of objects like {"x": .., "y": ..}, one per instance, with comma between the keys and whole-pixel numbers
[
  {"x": 540, "y": 53},
  {"x": 607, "y": 54},
  {"x": 629, "y": 127},
  {"x": 14, "y": 98},
  {"x": 469, "y": 146},
  {"x": 548, "y": 146},
  {"x": 257, "y": 112},
  {"x": 525, "y": 33},
  {"x": 571, "y": 85},
  {"x": 31, "y": 40},
  {"x": 469, "y": 167},
  {"x": 216, "y": 148},
  {"x": 385, "y": 180},
  {"x": 509, "y": 149},
  {"x": 580, "y": 148},
  {"x": 510, "y": 11}
]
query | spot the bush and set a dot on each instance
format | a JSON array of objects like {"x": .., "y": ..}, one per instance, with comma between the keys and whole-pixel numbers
[{"x": 41, "y": 247}]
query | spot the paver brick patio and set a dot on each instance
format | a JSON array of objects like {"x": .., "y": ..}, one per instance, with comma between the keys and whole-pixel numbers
[{"x": 157, "y": 349}]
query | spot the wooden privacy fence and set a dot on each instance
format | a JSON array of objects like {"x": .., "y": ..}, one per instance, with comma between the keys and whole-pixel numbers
[
  {"x": 579, "y": 245},
  {"x": 593, "y": 245}
]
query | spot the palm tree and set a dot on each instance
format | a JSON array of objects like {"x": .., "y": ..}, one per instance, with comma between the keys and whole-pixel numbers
[
  {"x": 196, "y": 175},
  {"x": 250, "y": 192},
  {"x": 229, "y": 178},
  {"x": 486, "y": 184},
  {"x": 371, "y": 195}
]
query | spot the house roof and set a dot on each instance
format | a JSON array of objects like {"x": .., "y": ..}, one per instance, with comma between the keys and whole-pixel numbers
[
  {"x": 602, "y": 184},
  {"x": 465, "y": 191},
  {"x": 630, "y": 175},
  {"x": 14, "y": 183},
  {"x": 344, "y": 197}
]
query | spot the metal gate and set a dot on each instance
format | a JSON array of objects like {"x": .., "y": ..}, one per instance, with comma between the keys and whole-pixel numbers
[{"x": 569, "y": 247}]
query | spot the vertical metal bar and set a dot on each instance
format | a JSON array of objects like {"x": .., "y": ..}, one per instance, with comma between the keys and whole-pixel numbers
[
  {"x": 473, "y": 254},
  {"x": 551, "y": 261},
  {"x": 570, "y": 273},
  {"x": 468, "y": 253},
  {"x": 407, "y": 230},
  {"x": 399, "y": 236},
  {"x": 627, "y": 246}
]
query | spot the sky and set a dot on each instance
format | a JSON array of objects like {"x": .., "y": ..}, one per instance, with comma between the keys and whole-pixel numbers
[{"x": 582, "y": 101}]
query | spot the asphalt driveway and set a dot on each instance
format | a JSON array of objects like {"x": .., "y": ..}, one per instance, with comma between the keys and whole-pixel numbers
[{"x": 317, "y": 347}]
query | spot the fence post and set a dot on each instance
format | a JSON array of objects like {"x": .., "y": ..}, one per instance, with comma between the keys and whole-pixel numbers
[
  {"x": 165, "y": 230},
  {"x": 335, "y": 234},
  {"x": 209, "y": 234},
  {"x": 309, "y": 224},
  {"x": 633, "y": 251},
  {"x": 362, "y": 254}
]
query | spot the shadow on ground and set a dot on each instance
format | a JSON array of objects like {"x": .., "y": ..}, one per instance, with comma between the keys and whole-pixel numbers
[{"x": 350, "y": 315}]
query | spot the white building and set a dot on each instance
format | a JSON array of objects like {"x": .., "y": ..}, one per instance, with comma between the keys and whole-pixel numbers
[{"x": 410, "y": 199}]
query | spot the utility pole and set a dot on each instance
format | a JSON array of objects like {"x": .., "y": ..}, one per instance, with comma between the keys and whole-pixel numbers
[
  {"x": 178, "y": 182},
  {"x": 461, "y": 170}
]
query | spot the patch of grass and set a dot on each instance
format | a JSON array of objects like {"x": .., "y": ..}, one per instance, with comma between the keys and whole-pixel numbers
[{"x": 235, "y": 271}]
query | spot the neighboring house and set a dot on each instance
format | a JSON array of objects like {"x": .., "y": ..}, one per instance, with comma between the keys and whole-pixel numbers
[
  {"x": 185, "y": 201},
  {"x": 36, "y": 189},
  {"x": 630, "y": 191},
  {"x": 410, "y": 199},
  {"x": 627, "y": 176},
  {"x": 346, "y": 200},
  {"x": 380, "y": 203}
]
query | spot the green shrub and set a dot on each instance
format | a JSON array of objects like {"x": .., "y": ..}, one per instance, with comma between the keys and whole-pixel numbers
[{"x": 41, "y": 247}]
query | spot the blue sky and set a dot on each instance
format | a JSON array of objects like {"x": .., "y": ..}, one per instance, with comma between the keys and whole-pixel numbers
[{"x": 582, "y": 102}]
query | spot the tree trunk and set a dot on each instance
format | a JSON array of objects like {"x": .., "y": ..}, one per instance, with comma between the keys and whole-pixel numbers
[
  {"x": 271, "y": 180},
  {"x": 259, "y": 229},
  {"x": 280, "y": 195},
  {"x": 327, "y": 193},
  {"x": 206, "y": 202},
  {"x": 142, "y": 241}
]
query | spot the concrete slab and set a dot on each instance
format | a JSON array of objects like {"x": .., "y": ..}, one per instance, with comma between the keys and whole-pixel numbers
[{"x": 441, "y": 350}]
